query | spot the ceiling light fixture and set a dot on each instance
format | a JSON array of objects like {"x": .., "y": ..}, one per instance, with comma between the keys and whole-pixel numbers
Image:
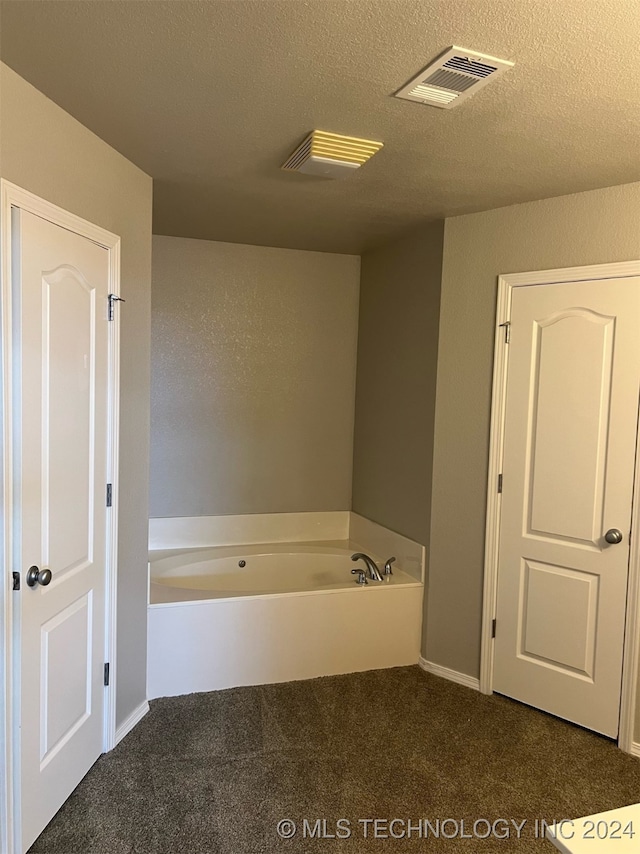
[{"x": 330, "y": 155}]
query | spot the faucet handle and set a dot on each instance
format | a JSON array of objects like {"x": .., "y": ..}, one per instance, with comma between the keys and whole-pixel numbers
[
  {"x": 387, "y": 566},
  {"x": 362, "y": 576}
]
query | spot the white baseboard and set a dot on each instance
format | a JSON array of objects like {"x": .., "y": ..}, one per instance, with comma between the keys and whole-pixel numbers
[
  {"x": 134, "y": 718},
  {"x": 635, "y": 748},
  {"x": 451, "y": 675}
]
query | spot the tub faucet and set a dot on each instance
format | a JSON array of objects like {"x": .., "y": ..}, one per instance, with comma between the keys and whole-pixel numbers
[{"x": 374, "y": 572}]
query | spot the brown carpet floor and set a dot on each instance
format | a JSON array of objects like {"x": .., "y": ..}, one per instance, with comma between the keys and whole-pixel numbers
[{"x": 215, "y": 773}]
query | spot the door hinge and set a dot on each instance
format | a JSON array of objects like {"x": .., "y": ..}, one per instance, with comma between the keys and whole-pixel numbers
[
  {"x": 106, "y": 674},
  {"x": 493, "y": 628},
  {"x": 16, "y": 581},
  {"x": 499, "y": 483},
  {"x": 113, "y": 298},
  {"x": 109, "y": 495},
  {"x": 507, "y": 331}
]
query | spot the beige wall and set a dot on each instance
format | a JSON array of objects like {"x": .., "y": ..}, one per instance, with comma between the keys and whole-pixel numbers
[
  {"x": 44, "y": 150},
  {"x": 587, "y": 228},
  {"x": 396, "y": 381},
  {"x": 253, "y": 374}
]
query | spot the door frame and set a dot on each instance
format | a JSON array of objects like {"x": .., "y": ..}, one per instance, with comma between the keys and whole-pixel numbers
[
  {"x": 13, "y": 196},
  {"x": 631, "y": 655}
]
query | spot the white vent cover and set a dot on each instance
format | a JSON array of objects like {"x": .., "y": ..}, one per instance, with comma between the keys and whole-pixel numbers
[{"x": 453, "y": 76}]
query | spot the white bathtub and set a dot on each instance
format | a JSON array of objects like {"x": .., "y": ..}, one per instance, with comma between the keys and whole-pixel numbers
[
  {"x": 216, "y": 573},
  {"x": 293, "y": 611}
]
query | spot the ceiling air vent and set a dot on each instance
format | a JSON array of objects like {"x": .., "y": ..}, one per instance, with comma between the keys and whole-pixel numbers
[
  {"x": 330, "y": 155},
  {"x": 453, "y": 76}
]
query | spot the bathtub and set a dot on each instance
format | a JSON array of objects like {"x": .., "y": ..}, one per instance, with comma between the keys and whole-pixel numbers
[{"x": 222, "y": 617}]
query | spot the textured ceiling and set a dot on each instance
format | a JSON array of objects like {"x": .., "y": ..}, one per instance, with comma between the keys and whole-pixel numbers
[{"x": 210, "y": 97}]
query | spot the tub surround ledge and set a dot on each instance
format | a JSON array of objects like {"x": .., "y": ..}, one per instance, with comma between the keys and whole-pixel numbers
[{"x": 188, "y": 532}]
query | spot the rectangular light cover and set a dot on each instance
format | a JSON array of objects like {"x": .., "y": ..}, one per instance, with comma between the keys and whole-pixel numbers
[{"x": 330, "y": 155}]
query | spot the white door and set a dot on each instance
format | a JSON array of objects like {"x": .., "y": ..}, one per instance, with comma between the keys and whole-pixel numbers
[
  {"x": 60, "y": 288},
  {"x": 569, "y": 450}
]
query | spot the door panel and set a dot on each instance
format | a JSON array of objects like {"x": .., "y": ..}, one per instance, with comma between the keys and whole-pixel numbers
[
  {"x": 61, "y": 291},
  {"x": 570, "y": 391},
  {"x": 569, "y": 449},
  {"x": 65, "y": 640},
  {"x": 69, "y": 376},
  {"x": 558, "y": 618}
]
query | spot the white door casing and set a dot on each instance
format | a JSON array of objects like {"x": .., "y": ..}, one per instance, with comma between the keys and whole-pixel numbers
[
  {"x": 564, "y": 434},
  {"x": 64, "y": 451}
]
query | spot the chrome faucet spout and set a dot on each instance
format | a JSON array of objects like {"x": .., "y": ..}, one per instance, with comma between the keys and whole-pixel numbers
[{"x": 374, "y": 572}]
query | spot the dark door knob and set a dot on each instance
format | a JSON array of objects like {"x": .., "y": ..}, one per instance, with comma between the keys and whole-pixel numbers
[
  {"x": 38, "y": 576},
  {"x": 613, "y": 536}
]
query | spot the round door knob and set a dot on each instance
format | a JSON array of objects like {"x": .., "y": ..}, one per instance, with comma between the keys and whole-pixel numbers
[
  {"x": 38, "y": 576},
  {"x": 613, "y": 536}
]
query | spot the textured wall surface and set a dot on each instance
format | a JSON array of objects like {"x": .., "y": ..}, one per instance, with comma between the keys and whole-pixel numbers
[
  {"x": 46, "y": 151},
  {"x": 253, "y": 375},
  {"x": 396, "y": 381},
  {"x": 588, "y": 228}
]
